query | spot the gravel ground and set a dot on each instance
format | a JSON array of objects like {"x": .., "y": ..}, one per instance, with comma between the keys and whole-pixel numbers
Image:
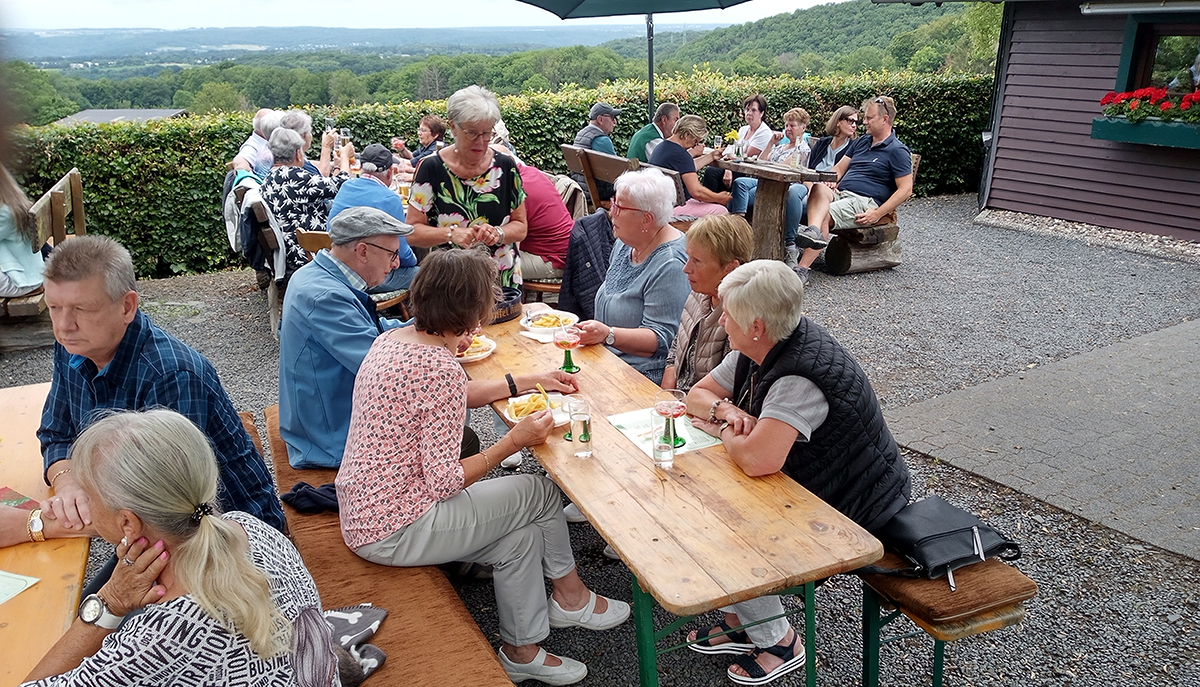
[{"x": 971, "y": 303}]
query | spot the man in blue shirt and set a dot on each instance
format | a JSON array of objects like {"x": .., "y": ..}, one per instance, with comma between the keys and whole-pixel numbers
[
  {"x": 328, "y": 326},
  {"x": 109, "y": 355},
  {"x": 373, "y": 189},
  {"x": 874, "y": 178}
]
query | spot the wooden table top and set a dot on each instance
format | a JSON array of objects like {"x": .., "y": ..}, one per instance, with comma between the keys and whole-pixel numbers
[
  {"x": 698, "y": 536},
  {"x": 32, "y": 621},
  {"x": 774, "y": 171}
]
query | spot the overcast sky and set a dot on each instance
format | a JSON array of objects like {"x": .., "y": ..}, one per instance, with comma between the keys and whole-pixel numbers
[{"x": 381, "y": 14}]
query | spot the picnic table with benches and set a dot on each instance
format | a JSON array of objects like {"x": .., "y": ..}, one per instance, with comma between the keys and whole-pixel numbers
[{"x": 770, "y": 200}]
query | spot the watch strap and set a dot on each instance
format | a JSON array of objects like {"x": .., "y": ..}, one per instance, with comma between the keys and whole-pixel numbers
[
  {"x": 35, "y": 535},
  {"x": 106, "y": 620},
  {"x": 512, "y": 386}
]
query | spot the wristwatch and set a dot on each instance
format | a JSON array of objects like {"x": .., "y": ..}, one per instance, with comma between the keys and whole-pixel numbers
[
  {"x": 94, "y": 611},
  {"x": 34, "y": 525},
  {"x": 611, "y": 338}
]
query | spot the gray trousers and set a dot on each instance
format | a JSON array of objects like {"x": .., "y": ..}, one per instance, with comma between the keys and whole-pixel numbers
[
  {"x": 515, "y": 524},
  {"x": 769, "y": 633}
]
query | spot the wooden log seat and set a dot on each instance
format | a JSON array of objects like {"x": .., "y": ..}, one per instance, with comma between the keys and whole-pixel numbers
[
  {"x": 990, "y": 595},
  {"x": 429, "y": 636},
  {"x": 865, "y": 249}
]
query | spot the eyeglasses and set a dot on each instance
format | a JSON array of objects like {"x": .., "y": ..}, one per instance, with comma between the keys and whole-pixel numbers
[
  {"x": 476, "y": 135},
  {"x": 393, "y": 255},
  {"x": 624, "y": 208},
  {"x": 880, "y": 100},
  {"x": 852, "y": 120}
]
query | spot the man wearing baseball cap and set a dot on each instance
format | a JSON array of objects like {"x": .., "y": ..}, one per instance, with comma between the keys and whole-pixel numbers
[
  {"x": 596, "y": 135},
  {"x": 329, "y": 324},
  {"x": 373, "y": 189}
]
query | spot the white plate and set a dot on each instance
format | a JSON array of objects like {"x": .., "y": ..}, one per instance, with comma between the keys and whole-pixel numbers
[
  {"x": 491, "y": 347},
  {"x": 526, "y": 321},
  {"x": 561, "y": 417}
]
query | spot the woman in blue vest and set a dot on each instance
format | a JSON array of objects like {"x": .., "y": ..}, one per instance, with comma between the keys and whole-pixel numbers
[{"x": 789, "y": 398}]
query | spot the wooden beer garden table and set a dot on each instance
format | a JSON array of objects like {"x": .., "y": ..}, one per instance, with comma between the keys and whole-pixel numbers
[
  {"x": 32, "y": 621},
  {"x": 770, "y": 200},
  {"x": 696, "y": 537}
]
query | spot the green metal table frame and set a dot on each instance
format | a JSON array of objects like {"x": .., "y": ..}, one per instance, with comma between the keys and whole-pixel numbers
[
  {"x": 872, "y": 628},
  {"x": 648, "y": 638}
]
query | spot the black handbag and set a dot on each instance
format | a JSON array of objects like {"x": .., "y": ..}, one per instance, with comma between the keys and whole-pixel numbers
[{"x": 936, "y": 538}]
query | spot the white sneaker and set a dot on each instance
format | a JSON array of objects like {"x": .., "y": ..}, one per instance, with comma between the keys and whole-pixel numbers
[
  {"x": 793, "y": 255},
  {"x": 570, "y": 672},
  {"x": 587, "y": 617},
  {"x": 512, "y": 462},
  {"x": 572, "y": 513},
  {"x": 611, "y": 552}
]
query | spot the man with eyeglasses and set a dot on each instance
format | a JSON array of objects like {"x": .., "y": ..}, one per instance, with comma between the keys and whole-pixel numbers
[
  {"x": 329, "y": 323},
  {"x": 597, "y": 136},
  {"x": 874, "y": 177},
  {"x": 373, "y": 189}
]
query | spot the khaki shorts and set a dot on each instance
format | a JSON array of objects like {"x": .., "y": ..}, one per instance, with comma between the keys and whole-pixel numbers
[{"x": 847, "y": 204}]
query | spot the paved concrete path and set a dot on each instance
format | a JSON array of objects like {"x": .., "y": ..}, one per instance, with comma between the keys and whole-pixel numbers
[{"x": 1112, "y": 435}]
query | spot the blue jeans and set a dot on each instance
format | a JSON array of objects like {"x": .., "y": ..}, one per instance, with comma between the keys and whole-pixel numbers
[
  {"x": 744, "y": 190},
  {"x": 397, "y": 279}
]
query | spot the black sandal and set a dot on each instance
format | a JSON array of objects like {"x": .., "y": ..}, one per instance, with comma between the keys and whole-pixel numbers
[
  {"x": 739, "y": 642},
  {"x": 758, "y": 676}
]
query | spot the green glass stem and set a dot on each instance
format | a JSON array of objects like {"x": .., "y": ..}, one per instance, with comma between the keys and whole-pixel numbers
[
  {"x": 679, "y": 440},
  {"x": 568, "y": 365}
]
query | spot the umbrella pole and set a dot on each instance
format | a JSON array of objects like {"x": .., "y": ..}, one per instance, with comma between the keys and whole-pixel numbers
[{"x": 650, "y": 56}]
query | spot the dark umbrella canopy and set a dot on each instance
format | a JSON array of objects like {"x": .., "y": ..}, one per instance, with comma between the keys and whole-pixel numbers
[{"x": 577, "y": 9}]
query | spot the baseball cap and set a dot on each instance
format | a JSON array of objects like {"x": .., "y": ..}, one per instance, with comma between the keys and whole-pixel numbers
[
  {"x": 362, "y": 222},
  {"x": 376, "y": 155},
  {"x": 603, "y": 109}
]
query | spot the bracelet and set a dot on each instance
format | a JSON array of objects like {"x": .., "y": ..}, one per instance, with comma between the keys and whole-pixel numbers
[
  {"x": 58, "y": 474},
  {"x": 712, "y": 410},
  {"x": 450, "y": 235},
  {"x": 500, "y": 230},
  {"x": 487, "y": 462},
  {"x": 512, "y": 386}
]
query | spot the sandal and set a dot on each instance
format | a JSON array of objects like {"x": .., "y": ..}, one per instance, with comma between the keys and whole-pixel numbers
[
  {"x": 739, "y": 642},
  {"x": 757, "y": 676}
]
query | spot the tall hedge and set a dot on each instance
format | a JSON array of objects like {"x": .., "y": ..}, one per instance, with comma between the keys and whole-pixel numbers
[{"x": 155, "y": 186}]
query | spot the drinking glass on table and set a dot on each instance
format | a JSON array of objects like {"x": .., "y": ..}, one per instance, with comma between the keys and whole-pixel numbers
[
  {"x": 567, "y": 338},
  {"x": 674, "y": 405},
  {"x": 581, "y": 426}
]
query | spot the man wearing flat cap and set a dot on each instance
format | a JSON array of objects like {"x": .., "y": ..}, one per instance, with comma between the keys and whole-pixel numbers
[
  {"x": 596, "y": 135},
  {"x": 373, "y": 189},
  {"x": 329, "y": 323}
]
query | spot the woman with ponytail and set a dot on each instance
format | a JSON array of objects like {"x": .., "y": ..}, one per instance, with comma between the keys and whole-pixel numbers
[{"x": 198, "y": 597}]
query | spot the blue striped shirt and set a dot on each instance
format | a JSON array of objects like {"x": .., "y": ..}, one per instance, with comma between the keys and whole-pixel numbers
[{"x": 154, "y": 369}]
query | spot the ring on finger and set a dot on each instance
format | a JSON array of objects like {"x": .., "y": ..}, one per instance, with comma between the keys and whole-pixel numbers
[{"x": 126, "y": 561}]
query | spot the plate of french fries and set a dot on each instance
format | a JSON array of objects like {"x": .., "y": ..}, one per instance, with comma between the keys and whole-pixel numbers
[
  {"x": 521, "y": 406},
  {"x": 544, "y": 320},
  {"x": 481, "y": 347}
]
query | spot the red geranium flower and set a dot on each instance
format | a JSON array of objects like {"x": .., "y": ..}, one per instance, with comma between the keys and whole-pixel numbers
[
  {"x": 1185, "y": 105},
  {"x": 1133, "y": 104},
  {"x": 1166, "y": 106},
  {"x": 1108, "y": 98}
]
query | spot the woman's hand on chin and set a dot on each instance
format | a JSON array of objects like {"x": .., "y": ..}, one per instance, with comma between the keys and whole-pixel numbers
[
  {"x": 133, "y": 584},
  {"x": 533, "y": 429}
]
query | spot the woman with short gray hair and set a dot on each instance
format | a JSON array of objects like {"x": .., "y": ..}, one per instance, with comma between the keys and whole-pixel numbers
[
  {"x": 297, "y": 195},
  {"x": 187, "y": 571},
  {"x": 790, "y": 399},
  {"x": 467, "y": 194},
  {"x": 639, "y": 303}
]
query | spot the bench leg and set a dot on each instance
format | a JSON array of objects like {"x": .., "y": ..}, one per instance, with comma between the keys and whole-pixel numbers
[
  {"x": 810, "y": 635},
  {"x": 939, "y": 656},
  {"x": 872, "y": 626},
  {"x": 643, "y": 623}
]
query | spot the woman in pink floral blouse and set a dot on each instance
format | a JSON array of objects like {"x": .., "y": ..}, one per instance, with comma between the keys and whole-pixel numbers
[{"x": 408, "y": 498}]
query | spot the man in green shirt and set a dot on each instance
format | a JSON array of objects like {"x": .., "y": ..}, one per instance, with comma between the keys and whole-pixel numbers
[{"x": 649, "y": 136}]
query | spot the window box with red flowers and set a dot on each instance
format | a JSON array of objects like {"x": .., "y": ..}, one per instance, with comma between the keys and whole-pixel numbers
[{"x": 1150, "y": 116}]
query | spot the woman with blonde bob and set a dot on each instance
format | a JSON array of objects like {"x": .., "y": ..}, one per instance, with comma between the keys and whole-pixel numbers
[
  {"x": 790, "y": 399},
  {"x": 716, "y": 244},
  {"x": 200, "y": 597}
]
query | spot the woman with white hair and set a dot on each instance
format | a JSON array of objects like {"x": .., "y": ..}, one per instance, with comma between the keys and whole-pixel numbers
[
  {"x": 639, "y": 304},
  {"x": 790, "y": 399},
  {"x": 298, "y": 197},
  {"x": 467, "y": 194},
  {"x": 200, "y": 597}
]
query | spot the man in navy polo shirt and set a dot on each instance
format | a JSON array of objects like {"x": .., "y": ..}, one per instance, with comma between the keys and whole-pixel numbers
[{"x": 874, "y": 178}]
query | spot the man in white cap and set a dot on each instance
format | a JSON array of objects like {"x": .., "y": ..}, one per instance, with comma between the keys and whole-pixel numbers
[
  {"x": 329, "y": 323},
  {"x": 372, "y": 189}
]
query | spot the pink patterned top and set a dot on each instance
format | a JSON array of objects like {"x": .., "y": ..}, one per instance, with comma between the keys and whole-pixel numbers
[{"x": 402, "y": 454}]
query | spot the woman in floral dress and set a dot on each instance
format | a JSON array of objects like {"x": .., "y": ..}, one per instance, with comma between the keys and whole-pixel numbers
[{"x": 467, "y": 195}]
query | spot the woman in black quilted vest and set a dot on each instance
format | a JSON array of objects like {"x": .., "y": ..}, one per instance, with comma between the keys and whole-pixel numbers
[{"x": 789, "y": 398}]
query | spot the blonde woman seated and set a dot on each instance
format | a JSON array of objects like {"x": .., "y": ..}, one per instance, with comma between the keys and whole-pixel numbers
[
  {"x": 715, "y": 246},
  {"x": 673, "y": 153},
  {"x": 408, "y": 499},
  {"x": 223, "y": 598}
]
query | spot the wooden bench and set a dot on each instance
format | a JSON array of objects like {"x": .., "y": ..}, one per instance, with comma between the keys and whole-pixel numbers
[
  {"x": 429, "y": 636},
  {"x": 990, "y": 595},
  {"x": 863, "y": 249},
  {"x": 28, "y": 326},
  {"x": 597, "y": 166}
]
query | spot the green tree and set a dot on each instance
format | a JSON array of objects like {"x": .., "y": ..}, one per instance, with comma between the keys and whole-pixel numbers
[
  {"x": 270, "y": 87},
  {"x": 537, "y": 82},
  {"x": 217, "y": 96},
  {"x": 32, "y": 97},
  {"x": 309, "y": 89},
  {"x": 183, "y": 100},
  {"x": 926, "y": 60},
  {"x": 346, "y": 89},
  {"x": 975, "y": 52},
  {"x": 865, "y": 59}
]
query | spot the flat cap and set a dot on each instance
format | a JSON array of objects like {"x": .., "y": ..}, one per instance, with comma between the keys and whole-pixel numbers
[{"x": 363, "y": 222}]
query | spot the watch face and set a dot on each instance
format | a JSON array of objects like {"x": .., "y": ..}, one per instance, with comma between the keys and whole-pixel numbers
[
  {"x": 35, "y": 523},
  {"x": 91, "y": 609}
]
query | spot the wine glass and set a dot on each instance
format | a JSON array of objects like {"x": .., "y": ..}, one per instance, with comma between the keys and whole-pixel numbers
[
  {"x": 670, "y": 404},
  {"x": 567, "y": 338}
]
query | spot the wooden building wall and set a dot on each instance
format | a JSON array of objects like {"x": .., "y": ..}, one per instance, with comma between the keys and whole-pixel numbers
[{"x": 1058, "y": 65}]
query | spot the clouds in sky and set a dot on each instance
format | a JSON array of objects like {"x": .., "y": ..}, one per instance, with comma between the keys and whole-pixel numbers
[{"x": 177, "y": 14}]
